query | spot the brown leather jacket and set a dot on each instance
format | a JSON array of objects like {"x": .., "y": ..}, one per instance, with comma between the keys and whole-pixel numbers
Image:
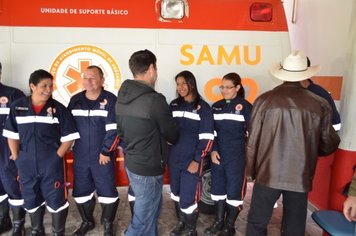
[{"x": 290, "y": 126}]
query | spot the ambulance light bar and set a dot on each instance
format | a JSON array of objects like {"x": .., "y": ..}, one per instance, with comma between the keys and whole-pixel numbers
[
  {"x": 172, "y": 9},
  {"x": 261, "y": 12}
]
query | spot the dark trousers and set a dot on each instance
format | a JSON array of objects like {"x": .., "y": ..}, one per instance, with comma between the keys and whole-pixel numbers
[{"x": 294, "y": 211}]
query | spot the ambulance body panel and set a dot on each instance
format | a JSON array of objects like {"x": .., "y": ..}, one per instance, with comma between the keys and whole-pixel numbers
[{"x": 213, "y": 38}]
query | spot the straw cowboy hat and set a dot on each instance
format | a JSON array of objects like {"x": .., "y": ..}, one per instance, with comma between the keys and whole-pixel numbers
[{"x": 296, "y": 67}]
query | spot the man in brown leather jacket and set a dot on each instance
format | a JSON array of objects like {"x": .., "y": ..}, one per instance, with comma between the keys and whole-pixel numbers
[{"x": 289, "y": 128}]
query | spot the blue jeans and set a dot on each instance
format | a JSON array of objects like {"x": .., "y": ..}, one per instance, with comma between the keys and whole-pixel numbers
[{"x": 148, "y": 203}]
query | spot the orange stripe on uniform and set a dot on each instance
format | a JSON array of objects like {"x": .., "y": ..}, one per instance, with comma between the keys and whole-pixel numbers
[
  {"x": 115, "y": 143},
  {"x": 244, "y": 186},
  {"x": 65, "y": 177}
]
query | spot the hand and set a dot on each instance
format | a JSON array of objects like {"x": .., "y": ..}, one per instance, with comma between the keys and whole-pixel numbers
[
  {"x": 215, "y": 157},
  {"x": 350, "y": 208},
  {"x": 103, "y": 160},
  {"x": 60, "y": 155},
  {"x": 193, "y": 167},
  {"x": 13, "y": 157}
]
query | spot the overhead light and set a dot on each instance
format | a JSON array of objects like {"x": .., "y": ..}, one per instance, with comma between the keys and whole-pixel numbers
[{"x": 172, "y": 9}]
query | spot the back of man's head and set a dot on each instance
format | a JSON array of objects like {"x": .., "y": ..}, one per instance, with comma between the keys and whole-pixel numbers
[{"x": 140, "y": 61}]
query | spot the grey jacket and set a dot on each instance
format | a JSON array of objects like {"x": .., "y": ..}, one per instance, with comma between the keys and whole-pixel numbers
[{"x": 145, "y": 124}]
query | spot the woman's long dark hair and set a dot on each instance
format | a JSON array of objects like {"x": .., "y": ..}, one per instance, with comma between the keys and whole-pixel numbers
[
  {"x": 236, "y": 80},
  {"x": 192, "y": 87}
]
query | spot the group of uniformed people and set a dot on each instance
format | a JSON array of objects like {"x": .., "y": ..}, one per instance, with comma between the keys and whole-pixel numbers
[{"x": 37, "y": 131}]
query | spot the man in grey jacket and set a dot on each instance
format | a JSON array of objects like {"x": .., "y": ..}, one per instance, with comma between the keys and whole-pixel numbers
[
  {"x": 146, "y": 126},
  {"x": 289, "y": 128}
]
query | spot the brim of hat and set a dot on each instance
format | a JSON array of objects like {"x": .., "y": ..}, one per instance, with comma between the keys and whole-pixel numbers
[{"x": 290, "y": 76}]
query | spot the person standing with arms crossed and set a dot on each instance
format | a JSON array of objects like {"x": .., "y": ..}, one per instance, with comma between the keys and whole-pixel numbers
[
  {"x": 94, "y": 161},
  {"x": 289, "y": 128},
  {"x": 40, "y": 130},
  {"x": 9, "y": 186},
  {"x": 228, "y": 180},
  {"x": 146, "y": 126}
]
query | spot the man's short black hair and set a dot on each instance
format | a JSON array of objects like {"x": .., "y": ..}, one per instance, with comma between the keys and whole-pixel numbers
[{"x": 140, "y": 61}]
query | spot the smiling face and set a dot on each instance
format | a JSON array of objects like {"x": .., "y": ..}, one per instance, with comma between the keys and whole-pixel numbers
[
  {"x": 92, "y": 81},
  {"x": 183, "y": 89},
  {"x": 42, "y": 91},
  {"x": 228, "y": 89}
]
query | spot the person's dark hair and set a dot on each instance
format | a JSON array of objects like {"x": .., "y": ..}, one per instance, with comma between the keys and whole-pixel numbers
[
  {"x": 236, "y": 80},
  {"x": 192, "y": 87},
  {"x": 101, "y": 73},
  {"x": 0, "y": 66},
  {"x": 140, "y": 61},
  {"x": 39, "y": 75}
]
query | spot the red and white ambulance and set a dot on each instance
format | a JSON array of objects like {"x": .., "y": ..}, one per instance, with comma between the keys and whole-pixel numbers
[{"x": 208, "y": 37}]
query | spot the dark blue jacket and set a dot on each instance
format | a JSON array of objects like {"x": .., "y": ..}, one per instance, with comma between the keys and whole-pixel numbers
[
  {"x": 7, "y": 96},
  {"x": 95, "y": 121},
  {"x": 40, "y": 134},
  {"x": 231, "y": 120},
  {"x": 196, "y": 132},
  {"x": 318, "y": 90}
]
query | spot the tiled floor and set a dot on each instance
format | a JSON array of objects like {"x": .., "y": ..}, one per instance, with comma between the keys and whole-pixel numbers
[{"x": 167, "y": 219}]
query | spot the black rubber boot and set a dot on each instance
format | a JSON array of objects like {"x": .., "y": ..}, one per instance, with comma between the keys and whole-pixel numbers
[
  {"x": 180, "y": 224},
  {"x": 190, "y": 228},
  {"x": 59, "y": 222},
  {"x": 86, "y": 211},
  {"x": 36, "y": 217},
  {"x": 231, "y": 215},
  {"x": 18, "y": 221},
  {"x": 218, "y": 223},
  {"x": 5, "y": 221},
  {"x": 108, "y": 217}
]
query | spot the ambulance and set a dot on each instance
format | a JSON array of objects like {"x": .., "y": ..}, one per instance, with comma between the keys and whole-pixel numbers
[{"x": 208, "y": 37}]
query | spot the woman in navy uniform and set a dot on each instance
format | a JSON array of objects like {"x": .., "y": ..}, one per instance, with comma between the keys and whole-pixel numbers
[
  {"x": 94, "y": 161},
  {"x": 195, "y": 121},
  {"x": 9, "y": 186},
  {"x": 228, "y": 184},
  {"x": 40, "y": 130}
]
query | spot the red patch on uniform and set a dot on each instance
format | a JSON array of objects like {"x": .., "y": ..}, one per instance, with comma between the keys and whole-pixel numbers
[
  {"x": 4, "y": 100},
  {"x": 57, "y": 184},
  {"x": 51, "y": 110},
  {"x": 239, "y": 107}
]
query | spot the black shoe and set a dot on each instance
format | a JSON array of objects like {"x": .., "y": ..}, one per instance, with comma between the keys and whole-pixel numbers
[
  {"x": 84, "y": 228},
  {"x": 36, "y": 217},
  {"x": 86, "y": 211},
  {"x": 178, "y": 229},
  {"x": 5, "y": 225},
  {"x": 228, "y": 231},
  {"x": 216, "y": 227},
  {"x": 18, "y": 221}
]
